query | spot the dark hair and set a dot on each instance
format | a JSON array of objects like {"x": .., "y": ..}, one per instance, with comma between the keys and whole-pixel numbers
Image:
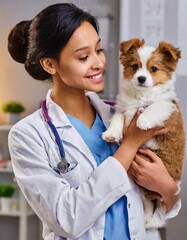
[
  {"x": 45, "y": 36},
  {"x": 18, "y": 41}
]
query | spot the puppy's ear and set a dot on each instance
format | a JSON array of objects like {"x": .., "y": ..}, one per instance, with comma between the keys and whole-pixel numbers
[
  {"x": 170, "y": 52},
  {"x": 129, "y": 45}
]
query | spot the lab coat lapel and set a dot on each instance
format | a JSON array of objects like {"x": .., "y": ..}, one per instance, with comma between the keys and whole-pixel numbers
[{"x": 104, "y": 110}]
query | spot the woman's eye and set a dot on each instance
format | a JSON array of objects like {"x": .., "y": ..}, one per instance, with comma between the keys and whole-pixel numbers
[
  {"x": 135, "y": 66},
  {"x": 83, "y": 58},
  {"x": 100, "y": 50},
  {"x": 153, "y": 69}
]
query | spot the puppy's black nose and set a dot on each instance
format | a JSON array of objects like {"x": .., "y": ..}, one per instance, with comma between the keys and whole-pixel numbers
[{"x": 141, "y": 79}]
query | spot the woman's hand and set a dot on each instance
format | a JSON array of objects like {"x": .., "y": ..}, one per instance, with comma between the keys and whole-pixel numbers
[
  {"x": 133, "y": 139},
  {"x": 138, "y": 136},
  {"x": 154, "y": 176}
]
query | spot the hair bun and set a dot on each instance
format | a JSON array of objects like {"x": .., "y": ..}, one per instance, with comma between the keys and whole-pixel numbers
[
  {"x": 36, "y": 71},
  {"x": 18, "y": 41}
]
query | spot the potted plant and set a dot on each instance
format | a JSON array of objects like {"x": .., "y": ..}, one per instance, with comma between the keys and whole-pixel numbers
[
  {"x": 14, "y": 108},
  {"x": 6, "y": 193}
]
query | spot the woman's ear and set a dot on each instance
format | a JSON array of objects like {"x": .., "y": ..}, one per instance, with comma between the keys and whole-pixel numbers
[{"x": 48, "y": 65}]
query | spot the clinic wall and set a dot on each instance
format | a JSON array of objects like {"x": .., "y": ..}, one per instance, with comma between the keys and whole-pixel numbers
[{"x": 15, "y": 83}]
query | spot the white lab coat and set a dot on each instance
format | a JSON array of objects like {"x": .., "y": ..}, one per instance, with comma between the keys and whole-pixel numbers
[{"x": 72, "y": 204}]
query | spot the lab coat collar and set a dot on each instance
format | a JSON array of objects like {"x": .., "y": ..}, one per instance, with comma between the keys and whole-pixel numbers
[
  {"x": 60, "y": 119},
  {"x": 102, "y": 108},
  {"x": 55, "y": 112}
]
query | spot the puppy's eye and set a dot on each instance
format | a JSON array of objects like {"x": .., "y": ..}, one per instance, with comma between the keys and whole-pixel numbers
[
  {"x": 135, "y": 66},
  {"x": 153, "y": 69}
]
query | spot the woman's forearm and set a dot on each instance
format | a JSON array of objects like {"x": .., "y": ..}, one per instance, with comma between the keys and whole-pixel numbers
[
  {"x": 170, "y": 194},
  {"x": 126, "y": 153}
]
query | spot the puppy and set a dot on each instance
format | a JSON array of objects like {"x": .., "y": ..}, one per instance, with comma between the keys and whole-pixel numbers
[{"x": 149, "y": 86}]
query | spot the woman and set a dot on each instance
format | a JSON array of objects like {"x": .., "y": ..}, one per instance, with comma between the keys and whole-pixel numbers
[{"x": 90, "y": 196}]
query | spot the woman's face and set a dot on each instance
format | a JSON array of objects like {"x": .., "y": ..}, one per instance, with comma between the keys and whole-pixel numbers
[{"x": 82, "y": 61}]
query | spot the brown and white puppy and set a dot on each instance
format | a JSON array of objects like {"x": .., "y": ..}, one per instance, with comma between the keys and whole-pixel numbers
[{"x": 149, "y": 86}]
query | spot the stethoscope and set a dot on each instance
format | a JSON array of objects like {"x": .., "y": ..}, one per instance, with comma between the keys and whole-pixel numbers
[{"x": 63, "y": 165}]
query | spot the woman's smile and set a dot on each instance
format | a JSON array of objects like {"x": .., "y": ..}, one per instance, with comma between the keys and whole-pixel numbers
[{"x": 96, "y": 78}]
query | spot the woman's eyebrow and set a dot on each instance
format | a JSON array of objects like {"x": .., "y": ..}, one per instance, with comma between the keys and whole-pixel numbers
[{"x": 85, "y": 47}]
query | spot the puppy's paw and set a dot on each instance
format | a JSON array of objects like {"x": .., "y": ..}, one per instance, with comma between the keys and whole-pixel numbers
[
  {"x": 156, "y": 221},
  {"x": 144, "y": 122},
  {"x": 111, "y": 135},
  {"x": 148, "y": 223}
]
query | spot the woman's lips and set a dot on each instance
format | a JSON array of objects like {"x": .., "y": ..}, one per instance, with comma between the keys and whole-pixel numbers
[{"x": 96, "y": 78}]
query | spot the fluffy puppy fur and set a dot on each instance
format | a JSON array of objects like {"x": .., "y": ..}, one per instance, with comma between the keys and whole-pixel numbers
[{"x": 149, "y": 86}]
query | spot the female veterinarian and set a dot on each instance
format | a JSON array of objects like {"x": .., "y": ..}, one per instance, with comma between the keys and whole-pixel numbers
[{"x": 79, "y": 186}]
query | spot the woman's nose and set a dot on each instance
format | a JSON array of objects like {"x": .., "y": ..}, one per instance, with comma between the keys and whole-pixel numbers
[{"x": 99, "y": 62}]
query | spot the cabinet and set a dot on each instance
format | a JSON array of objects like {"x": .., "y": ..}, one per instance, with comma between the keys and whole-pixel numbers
[{"x": 19, "y": 207}]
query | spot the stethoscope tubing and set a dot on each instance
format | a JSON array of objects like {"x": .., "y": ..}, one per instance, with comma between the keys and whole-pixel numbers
[{"x": 53, "y": 129}]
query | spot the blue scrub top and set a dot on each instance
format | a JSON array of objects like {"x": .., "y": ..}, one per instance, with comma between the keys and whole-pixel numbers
[{"x": 116, "y": 218}]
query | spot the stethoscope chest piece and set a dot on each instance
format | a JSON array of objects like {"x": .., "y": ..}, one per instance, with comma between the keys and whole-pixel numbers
[{"x": 63, "y": 166}]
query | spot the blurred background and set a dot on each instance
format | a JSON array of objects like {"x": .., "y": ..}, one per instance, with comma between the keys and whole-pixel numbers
[{"x": 119, "y": 20}]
